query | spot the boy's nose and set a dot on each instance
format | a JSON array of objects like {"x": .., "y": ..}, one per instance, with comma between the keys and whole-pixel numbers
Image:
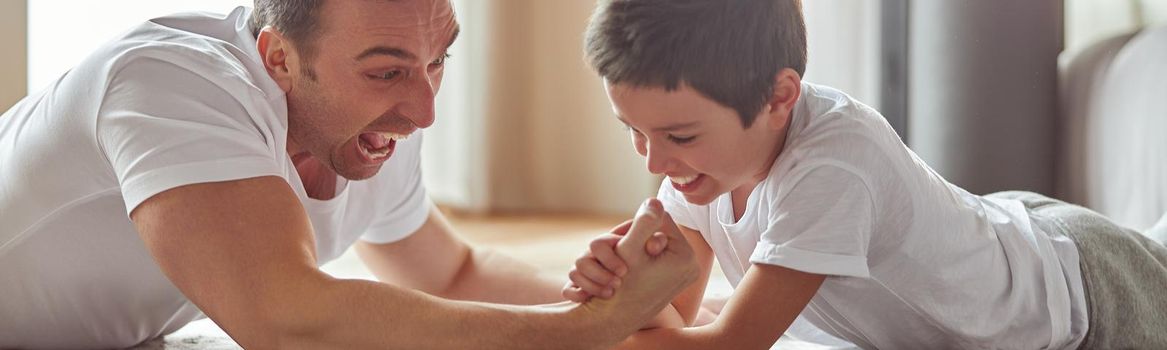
[{"x": 658, "y": 163}]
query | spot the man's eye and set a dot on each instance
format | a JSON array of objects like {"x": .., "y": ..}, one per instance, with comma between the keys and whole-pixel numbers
[
  {"x": 681, "y": 140},
  {"x": 390, "y": 75},
  {"x": 441, "y": 60}
]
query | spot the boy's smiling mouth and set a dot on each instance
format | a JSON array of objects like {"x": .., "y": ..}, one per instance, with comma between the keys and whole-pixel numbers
[{"x": 686, "y": 183}]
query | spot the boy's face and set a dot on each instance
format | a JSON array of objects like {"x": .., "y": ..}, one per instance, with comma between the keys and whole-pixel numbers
[{"x": 695, "y": 141}]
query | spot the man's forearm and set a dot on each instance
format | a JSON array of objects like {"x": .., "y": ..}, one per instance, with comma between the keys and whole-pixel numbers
[
  {"x": 489, "y": 276},
  {"x": 355, "y": 314}
]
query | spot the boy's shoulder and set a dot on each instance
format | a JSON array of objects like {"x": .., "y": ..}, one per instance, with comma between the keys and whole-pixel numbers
[
  {"x": 831, "y": 129},
  {"x": 821, "y": 103}
]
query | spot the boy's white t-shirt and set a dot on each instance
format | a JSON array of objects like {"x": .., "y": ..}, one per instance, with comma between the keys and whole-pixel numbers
[
  {"x": 912, "y": 260},
  {"x": 177, "y": 100}
]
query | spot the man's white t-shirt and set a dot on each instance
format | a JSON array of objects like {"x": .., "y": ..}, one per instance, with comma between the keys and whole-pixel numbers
[
  {"x": 912, "y": 260},
  {"x": 177, "y": 100}
]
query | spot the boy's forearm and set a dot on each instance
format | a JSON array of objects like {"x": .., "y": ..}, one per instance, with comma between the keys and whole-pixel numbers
[
  {"x": 674, "y": 339},
  {"x": 667, "y": 318}
]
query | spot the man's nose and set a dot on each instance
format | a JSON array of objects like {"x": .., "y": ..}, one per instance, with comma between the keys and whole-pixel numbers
[{"x": 418, "y": 106}]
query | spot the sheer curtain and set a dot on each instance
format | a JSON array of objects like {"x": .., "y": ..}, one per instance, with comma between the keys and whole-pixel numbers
[
  {"x": 62, "y": 32},
  {"x": 524, "y": 125}
]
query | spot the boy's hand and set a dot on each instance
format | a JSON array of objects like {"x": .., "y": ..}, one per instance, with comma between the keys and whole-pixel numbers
[{"x": 599, "y": 270}]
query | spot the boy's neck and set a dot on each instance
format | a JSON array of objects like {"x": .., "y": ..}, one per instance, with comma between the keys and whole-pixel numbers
[{"x": 739, "y": 197}]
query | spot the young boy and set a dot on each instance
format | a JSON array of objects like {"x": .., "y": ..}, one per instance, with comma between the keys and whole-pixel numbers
[{"x": 813, "y": 206}]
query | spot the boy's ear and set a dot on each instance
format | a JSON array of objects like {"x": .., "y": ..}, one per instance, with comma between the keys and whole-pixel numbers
[
  {"x": 277, "y": 56},
  {"x": 787, "y": 89}
]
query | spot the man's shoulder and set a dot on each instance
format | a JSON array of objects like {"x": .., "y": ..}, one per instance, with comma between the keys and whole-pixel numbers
[{"x": 201, "y": 44}]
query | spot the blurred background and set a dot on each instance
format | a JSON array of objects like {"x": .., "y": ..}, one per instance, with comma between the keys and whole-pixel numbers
[
  {"x": 524, "y": 126},
  {"x": 1065, "y": 98}
]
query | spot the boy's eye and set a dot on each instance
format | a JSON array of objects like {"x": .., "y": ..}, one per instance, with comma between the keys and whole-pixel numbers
[{"x": 681, "y": 140}]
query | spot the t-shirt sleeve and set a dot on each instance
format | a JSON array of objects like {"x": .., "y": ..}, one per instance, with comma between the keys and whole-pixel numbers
[
  {"x": 163, "y": 125},
  {"x": 821, "y": 223},
  {"x": 402, "y": 195}
]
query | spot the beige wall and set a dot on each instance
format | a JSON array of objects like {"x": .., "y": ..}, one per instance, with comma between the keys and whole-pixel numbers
[
  {"x": 555, "y": 143},
  {"x": 14, "y": 61},
  {"x": 523, "y": 124}
]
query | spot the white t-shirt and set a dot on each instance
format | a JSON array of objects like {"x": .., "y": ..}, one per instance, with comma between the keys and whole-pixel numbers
[
  {"x": 177, "y": 100},
  {"x": 912, "y": 260}
]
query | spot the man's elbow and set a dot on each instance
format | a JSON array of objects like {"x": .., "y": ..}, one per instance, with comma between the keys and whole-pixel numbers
[{"x": 297, "y": 318}]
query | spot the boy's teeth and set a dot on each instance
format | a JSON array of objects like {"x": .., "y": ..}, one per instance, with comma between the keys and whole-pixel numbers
[{"x": 682, "y": 180}]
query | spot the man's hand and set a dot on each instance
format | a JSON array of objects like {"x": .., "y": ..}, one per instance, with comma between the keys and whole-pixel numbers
[{"x": 599, "y": 270}]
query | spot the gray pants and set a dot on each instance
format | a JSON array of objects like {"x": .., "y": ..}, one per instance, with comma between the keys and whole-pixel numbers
[{"x": 1124, "y": 273}]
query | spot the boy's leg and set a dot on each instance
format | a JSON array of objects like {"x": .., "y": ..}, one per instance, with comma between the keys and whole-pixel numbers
[{"x": 1123, "y": 271}]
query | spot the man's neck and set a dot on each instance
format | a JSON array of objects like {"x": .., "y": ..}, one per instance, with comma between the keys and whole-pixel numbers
[{"x": 319, "y": 181}]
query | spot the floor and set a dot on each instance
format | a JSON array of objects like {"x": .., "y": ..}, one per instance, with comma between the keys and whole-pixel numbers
[{"x": 551, "y": 242}]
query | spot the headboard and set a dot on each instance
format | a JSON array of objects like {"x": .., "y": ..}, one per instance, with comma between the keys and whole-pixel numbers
[{"x": 1113, "y": 137}]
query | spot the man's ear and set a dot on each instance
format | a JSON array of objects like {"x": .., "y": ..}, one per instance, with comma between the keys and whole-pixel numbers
[
  {"x": 787, "y": 89},
  {"x": 278, "y": 56}
]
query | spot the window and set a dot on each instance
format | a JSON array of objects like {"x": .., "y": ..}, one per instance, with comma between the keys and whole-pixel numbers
[{"x": 62, "y": 32}]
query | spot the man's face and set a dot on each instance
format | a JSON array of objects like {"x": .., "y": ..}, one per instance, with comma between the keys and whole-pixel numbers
[
  {"x": 695, "y": 141},
  {"x": 371, "y": 81}
]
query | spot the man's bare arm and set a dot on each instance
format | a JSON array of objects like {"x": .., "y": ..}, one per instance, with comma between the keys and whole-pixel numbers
[
  {"x": 435, "y": 260},
  {"x": 243, "y": 252}
]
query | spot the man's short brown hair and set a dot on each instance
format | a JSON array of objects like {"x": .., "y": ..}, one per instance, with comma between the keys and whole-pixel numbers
[
  {"x": 298, "y": 20},
  {"x": 728, "y": 50}
]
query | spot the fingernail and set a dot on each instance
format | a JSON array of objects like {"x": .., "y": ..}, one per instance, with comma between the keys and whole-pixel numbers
[
  {"x": 647, "y": 208},
  {"x": 621, "y": 271},
  {"x": 616, "y": 282},
  {"x": 608, "y": 292}
]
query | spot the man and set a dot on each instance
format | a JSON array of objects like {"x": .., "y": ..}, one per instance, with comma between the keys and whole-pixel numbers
[{"x": 209, "y": 165}]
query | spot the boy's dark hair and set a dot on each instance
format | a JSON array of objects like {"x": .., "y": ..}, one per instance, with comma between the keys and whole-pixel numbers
[
  {"x": 728, "y": 50},
  {"x": 298, "y": 20}
]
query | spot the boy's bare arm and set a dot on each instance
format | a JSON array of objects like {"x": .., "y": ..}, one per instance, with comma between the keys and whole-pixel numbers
[
  {"x": 688, "y": 303},
  {"x": 243, "y": 251},
  {"x": 763, "y": 306}
]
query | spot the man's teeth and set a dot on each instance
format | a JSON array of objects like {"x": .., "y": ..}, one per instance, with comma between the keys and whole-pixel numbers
[
  {"x": 682, "y": 180},
  {"x": 393, "y": 136},
  {"x": 373, "y": 153},
  {"x": 379, "y": 154}
]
